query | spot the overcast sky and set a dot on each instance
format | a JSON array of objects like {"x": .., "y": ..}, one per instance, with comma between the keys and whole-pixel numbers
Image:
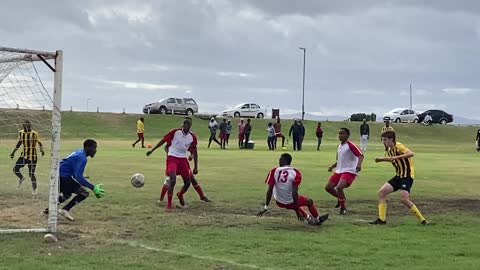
[{"x": 361, "y": 55}]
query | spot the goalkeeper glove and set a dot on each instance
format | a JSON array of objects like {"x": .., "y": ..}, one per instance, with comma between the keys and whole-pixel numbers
[{"x": 99, "y": 191}]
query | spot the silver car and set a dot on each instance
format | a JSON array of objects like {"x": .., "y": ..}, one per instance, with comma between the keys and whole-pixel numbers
[{"x": 186, "y": 106}]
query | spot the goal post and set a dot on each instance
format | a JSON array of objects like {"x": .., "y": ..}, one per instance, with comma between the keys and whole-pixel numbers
[{"x": 24, "y": 96}]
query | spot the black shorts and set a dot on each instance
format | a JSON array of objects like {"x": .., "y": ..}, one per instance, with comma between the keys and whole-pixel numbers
[
  {"x": 405, "y": 183},
  {"x": 68, "y": 185}
]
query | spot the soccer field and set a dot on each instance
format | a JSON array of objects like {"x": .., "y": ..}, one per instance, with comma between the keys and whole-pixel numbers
[{"x": 127, "y": 229}]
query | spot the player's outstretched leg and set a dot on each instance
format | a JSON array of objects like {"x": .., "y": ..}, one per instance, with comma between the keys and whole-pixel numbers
[
  {"x": 382, "y": 204},
  {"x": 164, "y": 189},
  {"x": 199, "y": 190},
  {"x": 186, "y": 185},
  {"x": 16, "y": 170},
  {"x": 405, "y": 198}
]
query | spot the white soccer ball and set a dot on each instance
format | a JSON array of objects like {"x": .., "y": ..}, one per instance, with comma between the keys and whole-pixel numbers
[{"x": 138, "y": 180}]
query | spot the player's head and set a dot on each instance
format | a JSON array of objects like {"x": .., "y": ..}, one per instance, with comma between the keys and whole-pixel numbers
[
  {"x": 389, "y": 138},
  {"x": 241, "y": 120},
  {"x": 270, "y": 124},
  {"x": 142, "y": 119},
  {"x": 27, "y": 125},
  {"x": 343, "y": 134},
  {"x": 224, "y": 120},
  {"x": 364, "y": 120},
  {"x": 228, "y": 122},
  {"x": 387, "y": 122},
  {"x": 90, "y": 147},
  {"x": 319, "y": 124},
  {"x": 248, "y": 120},
  {"x": 187, "y": 124},
  {"x": 285, "y": 159}
]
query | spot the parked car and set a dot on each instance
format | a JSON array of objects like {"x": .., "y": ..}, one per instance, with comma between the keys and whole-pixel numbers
[
  {"x": 186, "y": 106},
  {"x": 400, "y": 115},
  {"x": 244, "y": 110},
  {"x": 438, "y": 117}
]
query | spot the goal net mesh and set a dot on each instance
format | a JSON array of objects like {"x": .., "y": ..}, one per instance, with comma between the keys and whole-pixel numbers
[{"x": 26, "y": 90}]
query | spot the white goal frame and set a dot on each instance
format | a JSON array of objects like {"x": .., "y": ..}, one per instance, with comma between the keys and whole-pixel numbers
[{"x": 57, "y": 69}]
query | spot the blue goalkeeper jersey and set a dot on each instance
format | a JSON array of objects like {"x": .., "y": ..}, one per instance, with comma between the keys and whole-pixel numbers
[{"x": 74, "y": 165}]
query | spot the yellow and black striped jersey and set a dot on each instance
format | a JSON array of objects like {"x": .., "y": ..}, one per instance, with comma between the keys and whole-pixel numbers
[
  {"x": 404, "y": 167},
  {"x": 29, "y": 141},
  {"x": 385, "y": 128}
]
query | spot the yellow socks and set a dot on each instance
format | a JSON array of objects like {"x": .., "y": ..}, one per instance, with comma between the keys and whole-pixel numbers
[
  {"x": 382, "y": 211},
  {"x": 416, "y": 212}
]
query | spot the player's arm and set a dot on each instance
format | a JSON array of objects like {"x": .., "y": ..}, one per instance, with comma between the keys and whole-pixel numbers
[
  {"x": 382, "y": 159},
  {"x": 158, "y": 145},
  {"x": 194, "y": 153},
  {"x": 290, "y": 132},
  {"x": 295, "y": 202},
  {"x": 268, "y": 199},
  {"x": 407, "y": 154},
  {"x": 40, "y": 145},
  {"x": 19, "y": 143},
  {"x": 78, "y": 175},
  {"x": 334, "y": 165},
  {"x": 356, "y": 152}
]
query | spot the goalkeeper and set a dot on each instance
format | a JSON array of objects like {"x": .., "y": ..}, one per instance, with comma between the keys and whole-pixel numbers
[{"x": 73, "y": 181}]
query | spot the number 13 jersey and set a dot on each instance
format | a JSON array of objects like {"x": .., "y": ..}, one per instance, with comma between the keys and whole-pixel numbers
[{"x": 283, "y": 179}]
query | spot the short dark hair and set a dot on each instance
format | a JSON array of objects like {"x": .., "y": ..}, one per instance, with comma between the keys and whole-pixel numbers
[
  {"x": 89, "y": 143},
  {"x": 287, "y": 158},
  {"x": 270, "y": 124},
  {"x": 389, "y": 134},
  {"x": 346, "y": 130}
]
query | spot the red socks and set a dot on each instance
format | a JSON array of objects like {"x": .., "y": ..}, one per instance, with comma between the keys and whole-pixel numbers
[
  {"x": 342, "y": 203},
  {"x": 313, "y": 211},
  {"x": 169, "y": 203},
  {"x": 199, "y": 191},
  {"x": 164, "y": 191}
]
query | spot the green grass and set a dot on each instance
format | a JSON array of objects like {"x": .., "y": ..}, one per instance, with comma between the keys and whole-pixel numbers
[{"x": 128, "y": 230}]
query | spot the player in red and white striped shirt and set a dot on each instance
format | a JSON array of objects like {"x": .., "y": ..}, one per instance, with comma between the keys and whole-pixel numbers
[
  {"x": 283, "y": 184},
  {"x": 349, "y": 163},
  {"x": 181, "y": 141}
]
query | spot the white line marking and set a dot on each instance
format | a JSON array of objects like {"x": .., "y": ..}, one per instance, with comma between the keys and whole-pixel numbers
[{"x": 200, "y": 257}]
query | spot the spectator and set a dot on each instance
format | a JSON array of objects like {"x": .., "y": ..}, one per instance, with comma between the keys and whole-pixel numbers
[
  {"x": 364, "y": 135},
  {"x": 241, "y": 133},
  {"x": 478, "y": 140},
  {"x": 223, "y": 133},
  {"x": 278, "y": 133},
  {"x": 271, "y": 136},
  {"x": 427, "y": 121},
  {"x": 319, "y": 133},
  {"x": 213, "y": 126},
  {"x": 229, "y": 130},
  {"x": 248, "y": 130},
  {"x": 296, "y": 131}
]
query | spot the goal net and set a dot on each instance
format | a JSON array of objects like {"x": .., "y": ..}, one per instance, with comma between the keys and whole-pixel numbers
[{"x": 30, "y": 117}]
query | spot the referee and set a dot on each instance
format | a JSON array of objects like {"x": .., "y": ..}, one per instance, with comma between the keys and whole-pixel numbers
[{"x": 29, "y": 139}]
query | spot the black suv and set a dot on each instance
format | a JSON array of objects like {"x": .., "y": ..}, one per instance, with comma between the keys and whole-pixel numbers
[{"x": 438, "y": 117}]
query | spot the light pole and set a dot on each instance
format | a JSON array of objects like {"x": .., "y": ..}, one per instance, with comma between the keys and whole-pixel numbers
[
  {"x": 88, "y": 99},
  {"x": 303, "y": 85}
]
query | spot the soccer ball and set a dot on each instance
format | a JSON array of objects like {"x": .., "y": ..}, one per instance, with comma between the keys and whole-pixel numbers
[
  {"x": 149, "y": 145},
  {"x": 138, "y": 180}
]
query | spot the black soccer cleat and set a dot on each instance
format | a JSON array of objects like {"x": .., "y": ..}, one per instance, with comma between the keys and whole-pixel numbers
[
  {"x": 343, "y": 211},
  {"x": 425, "y": 222},
  {"x": 378, "y": 222},
  {"x": 205, "y": 199},
  {"x": 321, "y": 219}
]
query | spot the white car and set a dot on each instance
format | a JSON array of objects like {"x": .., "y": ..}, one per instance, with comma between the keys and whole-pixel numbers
[
  {"x": 400, "y": 115},
  {"x": 244, "y": 110}
]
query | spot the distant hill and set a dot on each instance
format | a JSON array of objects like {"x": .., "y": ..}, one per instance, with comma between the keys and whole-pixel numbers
[{"x": 459, "y": 120}]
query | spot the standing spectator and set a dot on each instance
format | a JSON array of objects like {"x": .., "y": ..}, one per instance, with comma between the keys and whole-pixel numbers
[
  {"x": 278, "y": 133},
  {"x": 296, "y": 131},
  {"x": 319, "y": 133},
  {"x": 241, "y": 133},
  {"x": 478, "y": 140},
  {"x": 271, "y": 136},
  {"x": 229, "y": 130},
  {"x": 140, "y": 131},
  {"x": 213, "y": 126},
  {"x": 223, "y": 133},
  {"x": 302, "y": 133},
  {"x": 248, "y": 130},
  {"x": 364, "y": 135}
]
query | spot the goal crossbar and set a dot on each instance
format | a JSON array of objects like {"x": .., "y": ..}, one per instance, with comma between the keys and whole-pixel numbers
[{"x": 50, "y": 55}]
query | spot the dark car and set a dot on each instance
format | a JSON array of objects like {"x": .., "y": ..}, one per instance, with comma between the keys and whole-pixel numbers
[{"x": 438, "y": 117}]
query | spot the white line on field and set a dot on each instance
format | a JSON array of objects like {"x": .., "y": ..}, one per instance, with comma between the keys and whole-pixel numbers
[{"x": 200, "y": 257}]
